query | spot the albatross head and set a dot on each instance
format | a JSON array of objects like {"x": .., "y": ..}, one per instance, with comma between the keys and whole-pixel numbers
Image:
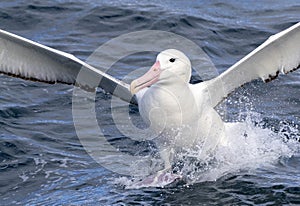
[{"x": 169, "y": 63}]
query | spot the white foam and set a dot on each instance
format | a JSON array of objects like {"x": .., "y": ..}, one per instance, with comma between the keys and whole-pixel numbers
[
  {"x": 24, "y": 177},
  {"x": 249, "y": 147}
]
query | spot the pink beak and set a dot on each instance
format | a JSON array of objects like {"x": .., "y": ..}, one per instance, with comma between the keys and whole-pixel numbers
[{"x": 147, "y": 79}]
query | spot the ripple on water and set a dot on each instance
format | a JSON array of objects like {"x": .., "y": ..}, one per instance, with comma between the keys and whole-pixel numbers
[{"x": 42, "y": 160}]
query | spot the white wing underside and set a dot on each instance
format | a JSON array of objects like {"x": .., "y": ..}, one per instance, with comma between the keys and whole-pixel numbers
[
  {"x": 280, "y": 53},
  {"x": 30, "y": 60}
]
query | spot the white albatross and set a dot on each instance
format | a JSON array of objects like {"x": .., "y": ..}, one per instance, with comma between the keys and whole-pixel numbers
[
  {"x": 180, "y": 114},
  {"x": 167, "y": 102},
  {"x": 183, "y": 114}
]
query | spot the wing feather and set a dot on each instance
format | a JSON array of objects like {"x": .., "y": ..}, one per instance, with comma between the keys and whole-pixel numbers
[
  {"x": 278, "y": 54},
  {"x": 30, "y": 60}
]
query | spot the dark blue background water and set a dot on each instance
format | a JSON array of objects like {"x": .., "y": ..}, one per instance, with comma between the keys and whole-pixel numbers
[{"x": 41, "y": 159}]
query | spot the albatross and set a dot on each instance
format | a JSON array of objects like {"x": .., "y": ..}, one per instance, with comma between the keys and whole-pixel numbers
[{"x": 180, "y": 114}]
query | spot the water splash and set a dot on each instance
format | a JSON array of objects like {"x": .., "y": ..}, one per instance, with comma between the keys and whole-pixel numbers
[{"x": 250, "y": 146}]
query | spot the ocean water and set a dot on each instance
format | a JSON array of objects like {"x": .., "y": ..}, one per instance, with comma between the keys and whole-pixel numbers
[{"x": 42, "y": 161}]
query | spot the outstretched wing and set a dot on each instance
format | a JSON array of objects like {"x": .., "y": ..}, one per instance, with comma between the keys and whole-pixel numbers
[
  {"x": 280, "y": 53},
  {"x": 30, "y": 60}
]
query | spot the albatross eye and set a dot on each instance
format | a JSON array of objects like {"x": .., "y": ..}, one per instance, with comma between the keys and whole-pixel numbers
[{"x": 172, "y": 60}]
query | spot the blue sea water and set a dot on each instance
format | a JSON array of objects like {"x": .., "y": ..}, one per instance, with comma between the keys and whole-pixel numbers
[{"x": 42, "y": 161}]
